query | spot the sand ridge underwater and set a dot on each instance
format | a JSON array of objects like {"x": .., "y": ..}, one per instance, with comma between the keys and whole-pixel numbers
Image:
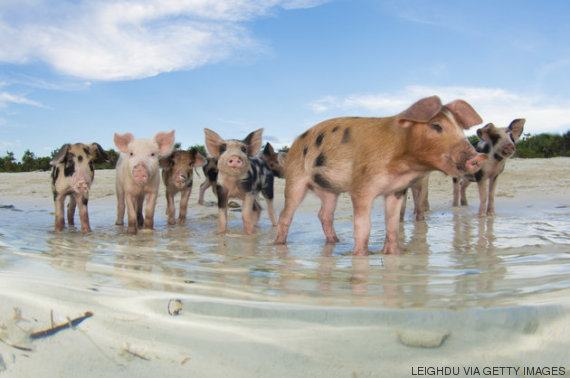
[{"x": 494, "y": 290}]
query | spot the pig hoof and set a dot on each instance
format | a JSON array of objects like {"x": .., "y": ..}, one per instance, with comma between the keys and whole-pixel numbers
[
  {"x": 171, "y": 222},
  {"x": 181, "y": 221},
  {"x": 119, "y": 223}
]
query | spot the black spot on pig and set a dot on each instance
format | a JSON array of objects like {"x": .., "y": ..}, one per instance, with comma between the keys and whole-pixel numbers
[
  {"x": 80, "y": 158},
  {"x": 69, "y": 168},
  {"x": 321, "y": 181},
  {"x": 335, "y": 129},
  {"x": 319, "y": 139},
  {"x": 222, "y": 196},
  {"x": 223, "y": 148},
  {"x": 86, "y": 150},
  {"x": 478, "y": 175},
  {"x": 305, "y": 150},
  {"x": 55, "y": 194},
  {"x": 498, "y": 157},
  {"x": 346, "y": 136},
  {"x": 320, "y": 161},
  {"x": 455, "y": 180},
  {"x": 85, "y": 201},
  {"x": 495, "y": 138},
  {"x": 54, "y": 174}
]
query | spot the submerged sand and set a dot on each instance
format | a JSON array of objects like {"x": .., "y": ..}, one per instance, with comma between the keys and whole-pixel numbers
[{"x": 181, "y": 300}]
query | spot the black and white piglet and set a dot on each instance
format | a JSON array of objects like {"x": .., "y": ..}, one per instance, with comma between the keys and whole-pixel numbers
[
  {"x": 241, "y": 175},
  {"x": 498, "y": 144}
]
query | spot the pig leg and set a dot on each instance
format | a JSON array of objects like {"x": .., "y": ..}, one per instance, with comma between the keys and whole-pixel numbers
[
  {"x": 71, "y": 210},
  {"x": 482, "y": 197},
  {"x": 456, "y": 186},
  {"x": 149, "y": 209},
  {"x": 403, "y": 208},
  {"x": 464, "y": 184},
  {"x": 120, "y": 205},
  {"x": 139, "y": 207},
  {"x": 222, "y": 208},
  {"x": 83, "y": 214},
  {"x": 326, "y": 214},
  {"x": 492, "y": 186},
  {"x": 420, "y": 195},
  {"x": 295, "y": 191},
  {"x": 205, "y": 185},
  {"x": 184, "y": 197},
  {"x": 247, "y": 214},
  {"x": 362, "y": 205},
  {"x": 59, "y": 200},
  {"x": 170, "y": 208},
  {"x": 132, "y": 202},
  {"x": 393, "y": 203},
  {"x": 267, "y": 193}
]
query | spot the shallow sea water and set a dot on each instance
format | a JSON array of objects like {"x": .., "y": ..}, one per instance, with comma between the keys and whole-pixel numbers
[{"x": 496, "y": 287}]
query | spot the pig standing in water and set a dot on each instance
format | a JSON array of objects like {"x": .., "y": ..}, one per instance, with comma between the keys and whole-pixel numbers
[
  {"x": 177, "y": 172},
  {"x": 274, "y": 160},
  {"x": 369, "y": 157},
  {"x": 72, "y": 175},
  {"x": 241, "y": 175},
  {"x": 498, "y": 144},
  {"x": 138, "y": 178}
]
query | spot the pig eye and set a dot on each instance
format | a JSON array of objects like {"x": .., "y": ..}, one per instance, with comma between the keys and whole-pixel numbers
[
  {"x": 153, "y": 154},
  {"x": 243, "y": 149},
  {"x": 437, "y": 127},
  {"x": 132, "y": 154}
]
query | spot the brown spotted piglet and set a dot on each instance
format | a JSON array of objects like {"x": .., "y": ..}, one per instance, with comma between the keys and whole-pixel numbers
[
  {"x": 177, "y": 172},
  {"x": 498, "y": 143},
  {"x": 241, "y": 175},
  {"x": 369, "y": 157},
  {"x": 138, "y": 178},
  {"x": 72, "y": 175}
]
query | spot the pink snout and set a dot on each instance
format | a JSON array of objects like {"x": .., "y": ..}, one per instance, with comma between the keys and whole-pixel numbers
[
  {"x": 180, "y": 179},
  {"x": 508, "y": 150},
  {"x": 80, "y": 183},
  {"x": 474, "y": 164},
  {"x": 235, "y": 162},
  {"x": 140, "y": 173}
]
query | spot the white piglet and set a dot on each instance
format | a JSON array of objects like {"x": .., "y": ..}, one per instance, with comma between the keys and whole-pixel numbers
[{"x": 138, "y": 177}]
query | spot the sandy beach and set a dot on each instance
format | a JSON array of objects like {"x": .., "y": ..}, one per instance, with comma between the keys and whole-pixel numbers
[{"x": 467, "y": 292}]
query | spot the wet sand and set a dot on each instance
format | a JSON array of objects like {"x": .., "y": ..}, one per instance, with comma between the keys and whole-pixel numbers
[{"x": 466, "y": 292}]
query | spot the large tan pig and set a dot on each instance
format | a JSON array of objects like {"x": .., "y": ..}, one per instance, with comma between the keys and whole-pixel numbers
[
  {"x": 138, "y": 177},
  {"x": 369, "y": 157}
]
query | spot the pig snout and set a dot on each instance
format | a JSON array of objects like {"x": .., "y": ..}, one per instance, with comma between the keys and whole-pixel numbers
[
  {"x": 140, "y": 173},
  {"x": 474, "y": 164},
  {"x": 508, "y": 150},
  {"x": 235, "y": 162},
  {"x": 181, "y": 178}
]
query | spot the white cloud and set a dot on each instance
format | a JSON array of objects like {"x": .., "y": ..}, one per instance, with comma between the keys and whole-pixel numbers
[
  {"x": 119, "y": 39},
  {"x": 6, "y": 98},
  {"x": 494, "y": 105}
]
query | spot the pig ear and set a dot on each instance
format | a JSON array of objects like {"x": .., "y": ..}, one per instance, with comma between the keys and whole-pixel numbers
[
  {"x": 100, "y": 156},
  {"x": 60, "y": 154},
  {"x": 165, "y": 141},
  {"x": 464, "y": 114},
  {"x": 165, "y": 162},
  {"x": 122, "y": 141},
  {"x": 421, "y": 111},
  {"x": 268, "y": 150},
  {"x": 517, "y": 128},
  {"x": 253, "y": 142},
  {"x": 199, "y": 160},
  {"x": 483, "y": 132},
  {"x": 213, "y": 142}
]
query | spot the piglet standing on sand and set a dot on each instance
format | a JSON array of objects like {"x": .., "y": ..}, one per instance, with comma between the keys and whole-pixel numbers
[
  {"x": 138, "y": 178},
  {"x": 498, "y": 144},
  {"x": 241, "y": 175},
  {"x": 72, "y": 175},
  {"x": 177, "y": 172},
  {"x": 369, "y": 157}
]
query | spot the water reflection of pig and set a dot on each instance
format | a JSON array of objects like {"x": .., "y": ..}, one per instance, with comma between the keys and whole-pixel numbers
[
  {"x": 369, "y": 157},
  {"x": 72, "y": 175},
  {"x": 138, "y": 178},
  {"x": 498, "y": 144}
]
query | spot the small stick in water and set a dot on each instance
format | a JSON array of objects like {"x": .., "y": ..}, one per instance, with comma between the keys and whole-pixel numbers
[{"x": 53, "y": 330}]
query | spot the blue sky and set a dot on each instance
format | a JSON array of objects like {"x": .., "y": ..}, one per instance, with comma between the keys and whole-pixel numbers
[{"x": 80, "y": 70}]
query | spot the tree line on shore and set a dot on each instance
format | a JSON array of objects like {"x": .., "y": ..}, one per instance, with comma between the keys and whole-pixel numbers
[{"x": 529, "y": 146}]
